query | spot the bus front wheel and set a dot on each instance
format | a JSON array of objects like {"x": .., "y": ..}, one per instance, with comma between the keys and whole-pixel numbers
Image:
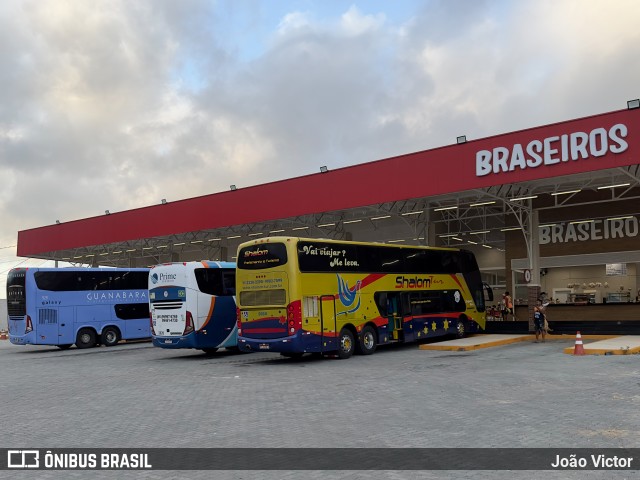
[
  {"x": 461, "y": 328},
  {"x": 110, "y": 336},
  {"x": 86, "y": 338},
  {"x": 346, "y": 344}
]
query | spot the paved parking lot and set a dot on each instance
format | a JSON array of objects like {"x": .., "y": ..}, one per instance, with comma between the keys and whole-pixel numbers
[{"x": 139, "y": 396}]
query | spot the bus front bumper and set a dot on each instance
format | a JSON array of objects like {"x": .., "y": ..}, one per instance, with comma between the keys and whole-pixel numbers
[
  {"x": 187, "y": 341},
  {"x": 21, "y": 339}
]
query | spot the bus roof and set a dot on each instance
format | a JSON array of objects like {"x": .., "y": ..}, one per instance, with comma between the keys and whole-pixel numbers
[{"x": 284, "y": 239}]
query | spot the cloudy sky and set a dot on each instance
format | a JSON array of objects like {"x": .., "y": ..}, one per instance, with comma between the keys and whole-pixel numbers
[{"x": 117, "y": 104}]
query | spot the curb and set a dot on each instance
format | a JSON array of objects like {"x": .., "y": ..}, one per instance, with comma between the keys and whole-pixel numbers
[{"x": 496, "y": 343}]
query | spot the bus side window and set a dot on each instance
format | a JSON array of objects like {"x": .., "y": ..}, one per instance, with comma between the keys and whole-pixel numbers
[
  {"x": 406, "y": 304},
  {"x": 229, "y": 280},
  {"x": 381, "y": 303}
]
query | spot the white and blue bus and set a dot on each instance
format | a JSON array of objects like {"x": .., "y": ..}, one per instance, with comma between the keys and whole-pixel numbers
[
  {"x": 193, "y": 305},
  {"x": 85, "y": 306}
]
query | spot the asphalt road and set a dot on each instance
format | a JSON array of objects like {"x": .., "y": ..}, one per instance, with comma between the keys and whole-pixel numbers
[{"x": 522, "y": 395}]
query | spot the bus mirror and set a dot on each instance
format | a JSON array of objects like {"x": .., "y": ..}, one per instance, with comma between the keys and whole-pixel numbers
[{"x": 489, "y": 290}]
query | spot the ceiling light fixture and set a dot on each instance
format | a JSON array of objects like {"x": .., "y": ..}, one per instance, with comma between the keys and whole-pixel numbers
[
  {"x": 614, "y": 186},
  {"x": 568, "y": 192},
  {"x": 528, "y": 197},
  {"x": 578, "y": 222},
  {"x": 444, "y": 208}
]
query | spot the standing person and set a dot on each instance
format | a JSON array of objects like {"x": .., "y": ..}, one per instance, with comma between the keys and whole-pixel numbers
[
  {"x": 507, "y": 306},
  {"x": 539, "y": 321}
]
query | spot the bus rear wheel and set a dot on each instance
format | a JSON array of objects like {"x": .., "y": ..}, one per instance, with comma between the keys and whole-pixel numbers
[
  {"x": 346, "y": 344},
  {"x": 86, "y": 338},
  {"x": 368, "y": 341},
  {"x": 110, "y": 336}
]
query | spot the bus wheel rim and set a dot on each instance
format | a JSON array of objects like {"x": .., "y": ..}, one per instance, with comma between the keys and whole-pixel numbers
[{"x": 368, "y": 340}]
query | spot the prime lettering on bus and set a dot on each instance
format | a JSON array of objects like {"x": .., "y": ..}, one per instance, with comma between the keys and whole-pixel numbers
[
  {"x": 601, "y": 229},
  {"x": 553, "y": 150},
  {"x": 413, "y": 282}
]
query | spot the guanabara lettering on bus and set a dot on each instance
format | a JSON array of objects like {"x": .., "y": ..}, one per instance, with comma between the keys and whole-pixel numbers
[{"x": 299, "y": 295}]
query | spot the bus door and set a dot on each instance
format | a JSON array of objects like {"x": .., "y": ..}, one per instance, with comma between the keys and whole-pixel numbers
[
  {"x": 66, "y": 333},
  {"x": 407, "y": 318},
  {"x": 394, "y": 316},
  {"x": 328, "y": 323}
]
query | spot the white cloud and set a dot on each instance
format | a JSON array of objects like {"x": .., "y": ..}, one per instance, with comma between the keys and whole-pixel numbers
[{"x": 355, "y": 23}]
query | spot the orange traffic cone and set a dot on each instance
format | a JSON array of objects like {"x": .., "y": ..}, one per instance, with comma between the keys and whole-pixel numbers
[{"x": 578, "y": 349}]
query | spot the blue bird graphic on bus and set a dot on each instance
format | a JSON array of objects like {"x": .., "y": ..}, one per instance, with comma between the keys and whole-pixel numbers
[{"x": 349, "y": 297}]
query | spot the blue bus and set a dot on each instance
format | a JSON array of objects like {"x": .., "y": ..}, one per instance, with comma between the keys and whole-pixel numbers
[
  {"x": 85, "y": 306},
  {"x": 193, "y": 305}
]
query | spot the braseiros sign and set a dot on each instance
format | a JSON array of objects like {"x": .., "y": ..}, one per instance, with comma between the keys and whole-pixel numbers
[
  {"x": 601, "y": 229},
  {"x": 552, "y": 150}
]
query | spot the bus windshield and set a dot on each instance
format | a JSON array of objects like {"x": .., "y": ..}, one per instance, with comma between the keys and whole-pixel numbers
[{"x": 16, "y": 301}]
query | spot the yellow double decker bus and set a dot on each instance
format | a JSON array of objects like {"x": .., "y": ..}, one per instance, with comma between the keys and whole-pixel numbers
[{"x": 303, "y": 295}]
